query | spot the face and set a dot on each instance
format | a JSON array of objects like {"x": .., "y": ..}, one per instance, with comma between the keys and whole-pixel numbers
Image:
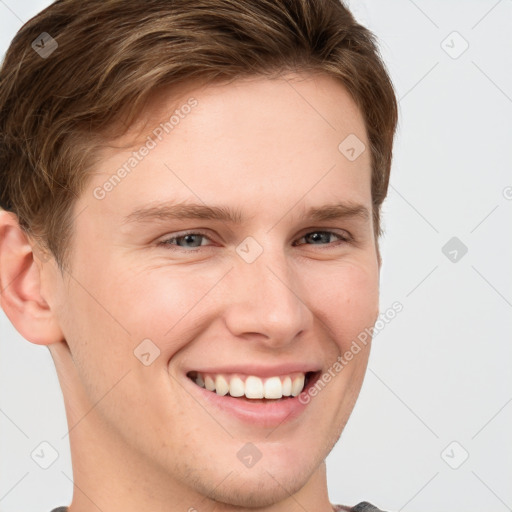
[{"x": 164, "y": 299}]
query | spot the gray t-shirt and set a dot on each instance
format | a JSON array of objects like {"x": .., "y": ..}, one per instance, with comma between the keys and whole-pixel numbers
[{"x": 364, "y": 506}]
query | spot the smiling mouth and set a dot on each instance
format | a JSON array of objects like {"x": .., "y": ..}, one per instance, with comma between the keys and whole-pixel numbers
[{"x": 253, "y": 388}]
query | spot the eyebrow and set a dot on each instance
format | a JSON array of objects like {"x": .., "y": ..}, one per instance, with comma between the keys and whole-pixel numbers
[{"x": 182, "y": 211}]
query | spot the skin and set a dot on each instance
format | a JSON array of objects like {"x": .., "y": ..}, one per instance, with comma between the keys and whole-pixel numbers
[{"x": 268, "y": 148}]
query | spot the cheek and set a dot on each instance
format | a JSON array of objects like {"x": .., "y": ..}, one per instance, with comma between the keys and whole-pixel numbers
[
  {"x": 164, "y": 304},
  {"x": 171, "y": 305},
  {"x": 346, "y": 299}
]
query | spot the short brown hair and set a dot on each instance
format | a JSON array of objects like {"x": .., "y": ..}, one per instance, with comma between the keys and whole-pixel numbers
[{"x": 112, "y": 55}]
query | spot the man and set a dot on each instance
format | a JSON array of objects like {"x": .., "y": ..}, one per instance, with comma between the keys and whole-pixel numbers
[{"x": 192, "y": 213}]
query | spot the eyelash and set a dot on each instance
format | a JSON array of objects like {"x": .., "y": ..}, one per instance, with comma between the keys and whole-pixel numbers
[{"x": 344, "y": 239}]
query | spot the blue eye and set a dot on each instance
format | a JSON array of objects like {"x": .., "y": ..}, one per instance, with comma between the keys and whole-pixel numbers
[
  {"x": 193, "y": 240},
  {"x": 188, "y": 238},
  {"x": 325, "y": 235}
]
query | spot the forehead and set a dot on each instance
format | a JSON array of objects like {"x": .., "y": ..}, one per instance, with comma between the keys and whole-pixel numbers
[
  {"x": 313, "y": 91},
  {"x": 241, "y": 141}
]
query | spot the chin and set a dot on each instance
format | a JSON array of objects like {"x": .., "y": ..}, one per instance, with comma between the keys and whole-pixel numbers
[
  {"x": 257, "y": 489},
  {"x": 282, "y": 471}
]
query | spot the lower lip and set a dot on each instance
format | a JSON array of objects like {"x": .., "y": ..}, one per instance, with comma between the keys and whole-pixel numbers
[{"x": 268, "y": 414}]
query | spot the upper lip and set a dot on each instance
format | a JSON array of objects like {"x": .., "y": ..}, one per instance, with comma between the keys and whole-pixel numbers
[{"x": 259, "y": 370}]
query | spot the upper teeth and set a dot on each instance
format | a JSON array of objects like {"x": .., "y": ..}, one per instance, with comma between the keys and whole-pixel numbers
[{"x": 251, "y": 386}]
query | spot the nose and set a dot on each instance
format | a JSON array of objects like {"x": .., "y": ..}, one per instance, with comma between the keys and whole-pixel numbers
[{"x": 266, "y": 302}]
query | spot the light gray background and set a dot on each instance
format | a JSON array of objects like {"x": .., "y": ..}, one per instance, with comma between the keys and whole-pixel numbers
[{"x": 440, "y": 371}]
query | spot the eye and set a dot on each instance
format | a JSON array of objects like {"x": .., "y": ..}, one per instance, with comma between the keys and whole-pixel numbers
[
  {"x": 190, "y": 240},
  {"x": 193, "y": 240},
  {"x": 319, "y": 237}
]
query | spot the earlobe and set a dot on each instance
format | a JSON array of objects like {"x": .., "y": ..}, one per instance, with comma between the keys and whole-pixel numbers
[{"x": 20, "y": 285}]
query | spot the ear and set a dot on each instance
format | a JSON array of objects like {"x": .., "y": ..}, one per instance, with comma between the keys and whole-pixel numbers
[{"x": 20, "y": 285}]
